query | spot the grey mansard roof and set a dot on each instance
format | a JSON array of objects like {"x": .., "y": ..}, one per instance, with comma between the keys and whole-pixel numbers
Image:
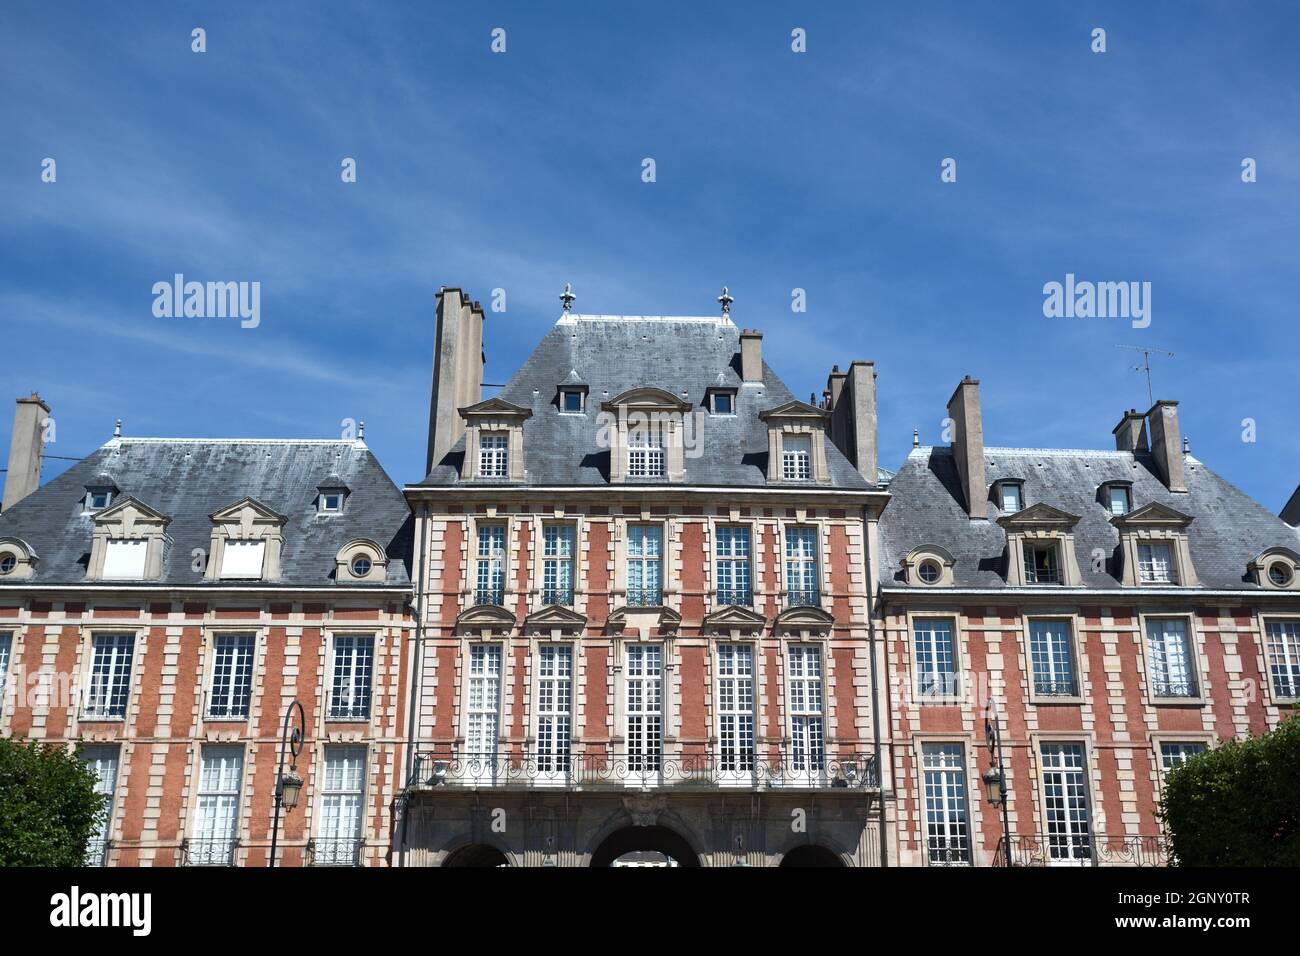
[
  {"x": 188, "y": 480},
  {"x": 1228, "y": 530},
  {"x": 613, "y": 354}
]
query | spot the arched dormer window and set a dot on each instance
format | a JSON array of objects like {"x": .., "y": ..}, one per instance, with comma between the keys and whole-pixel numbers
[
  {"x": 643, "y": 429},
  {"x": 361, "y": 561},
  {"x": 1277, "y": 569},
  {"x": 17, "y": 560},
  {"x": 928, "y": 566}
]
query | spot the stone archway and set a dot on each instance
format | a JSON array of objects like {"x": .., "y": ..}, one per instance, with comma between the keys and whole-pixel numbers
[
  {"x": 476, "y": 854},
  {"x": 810, "y": 854},
  {"x": 653, "y": 839}
]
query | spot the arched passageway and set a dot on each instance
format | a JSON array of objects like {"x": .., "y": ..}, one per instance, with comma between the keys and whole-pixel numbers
[
  {"x": 476, "y": 854},
  {"x": 644, "y": 840},
  {"x": 811, "y": 855}
]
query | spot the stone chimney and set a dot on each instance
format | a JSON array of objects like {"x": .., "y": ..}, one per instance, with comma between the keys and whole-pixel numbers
[
  {"x": 26, "y": 450},
  {"x": 458, "y": 362},
  {"x": 1167, "y": 443},
  {"x": 853, "y": 415},
  {"x": 968, "y": 446},
  {"x": 751, "y": 355},
  {"x": 1131, "y": 432}
]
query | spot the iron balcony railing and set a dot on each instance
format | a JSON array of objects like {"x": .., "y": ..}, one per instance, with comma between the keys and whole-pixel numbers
[
  {"x": 701, "y": 771},
  {"x": 1084, "y": 849},
  {"x": 1174, "y": 688},
  {"x": 645, "y": 597},
  {"x": 97, "y": 852},
  {"x": 557, "y": 595},
  {"x": 208, "y": 851},
  {"x": 743, "y": 597},
  {"x": 495, "y": 596},
  {"x": 809, "y": 597},
  {"x": 948, "y": 852},
  {"x": 334, "y": 852},
  {"x": 1055, "y": 688},
  {"x": 350, "y": 708}
]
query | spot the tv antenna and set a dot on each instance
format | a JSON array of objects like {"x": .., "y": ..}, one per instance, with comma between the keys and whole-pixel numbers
[{"x": 1146, "y": 351}]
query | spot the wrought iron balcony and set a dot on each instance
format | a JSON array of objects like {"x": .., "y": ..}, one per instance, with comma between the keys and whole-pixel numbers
[
  {"x": 712, "y": 770},
  {"x": 97, "y": 852},
  {"x": 349, "y": 708},
  {"x": 558, "y": 595},
  {"x": 1055, "y": 688},
  {"x": 334, "y": 852},
  {"x": 741, "y": 596},
  {"x": 208, "y": 851},
  {"x": 945, "y": 852},
  {"x": 495, "y": 596},
  {"x": 810, "y": 597},
  {"x": 1084, "y": 850},
  {"x": 1174, "y": 688},
  {"x": 645, "y": 597}
]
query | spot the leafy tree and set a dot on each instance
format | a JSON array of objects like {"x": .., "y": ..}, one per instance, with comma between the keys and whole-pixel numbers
[
  {"x": 48, "y": 805},
  {"x": 1238, "y": 804}
]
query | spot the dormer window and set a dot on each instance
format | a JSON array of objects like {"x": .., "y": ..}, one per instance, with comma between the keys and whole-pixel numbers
[
  {"x": 1277, "y": 568},
  {"x": 124, "y": 559},
  {"x": 1040, "y": 547},
  {"x": 247, "y": 539},
  {"x": 331, "y": 500},
  {"x": 795, "y": 447},
  {"x": 243, "y": 560},
  {"x": 97, "y": 499},
  {"x": 494, "y": 441},
  {"x": 645, "y": 451},
  {"x": 643, "y": 428},
  {"x": 128, "y": 543},
  {"x": 1042, "y": 562},
  {"x": 494, "y": 455},
  {"x": 1118, "y": 499},
  {"x": 1154, "y": 547},
  {"x": 572, "y": 401},
  {"x": 1156, "y": 563},
  {"x": 796, "y": 457},
  {"x": 1011, "y": 498},
  {"x": 722, "y": 401}
]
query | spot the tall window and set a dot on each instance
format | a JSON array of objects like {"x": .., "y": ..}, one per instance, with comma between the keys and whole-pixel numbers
[
  {"x": 807, "y": 730},
  {"x": 947, "y": 833},
  {"x": 1176, "y": 754},
  {"x": 733, "y": 566},
  {"x": 338, "y": 842},
  {"x": 493, "y": 455},
  {"x": 110, "y": 676},
  {"x": 557, "y": 564},
  {"x": 1283, "y": 640},
  {"x": 1011, "y": 499},
  {"x": 801, "y": 567},
  {"x": 736, "y": 707},
  {"x": 243, "y": 559},
  {"x": 1065, "y": 795},
  {"x": 490, "y": 575},
  {"x": 1155, "y": 563},
  {"x": 645, "y": 451},
  {"x": 354, "y": 666},
  {"x": 104, "y": 761},
  {"x": 554, "y": 707},
  {"x": 6, "y": 645},
  {"x": 1119, "y": 499},
  {"x": 483, "y": 709},
  {"x": 644, "y": 565},
  {"x": 1172, "y": 673},
  {"x": 644, "y": 673},
  {"x": 1052, "y": 657},
  {"x": 232, "y": 676},
  {"x": 217, "y": 823},
  {"x": 124, "y": 558},
  {"x": 796, "y": 457},
  {"x": 1042, "y": 563},
  {"x": 936, "y": 666}
]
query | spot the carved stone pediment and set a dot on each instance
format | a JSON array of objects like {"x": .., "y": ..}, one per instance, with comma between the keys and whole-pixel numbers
[
  {"x": 666, "y": 619},
  {"x": 1039, "y": 516},
  {"x": 556, "y": 617},
  {"x": 734, "y": 617},
  {"x": 1153, "y": 514},
  {"x": 485, "y": 617},
  {"x": 812, "y": 619}
]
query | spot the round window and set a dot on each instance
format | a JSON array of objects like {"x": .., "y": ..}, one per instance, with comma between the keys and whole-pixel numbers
[
  {"x": 1279, "y": 574},
  {"x": 929, "y": 572},
  {"x": 360, "y": 566},
  {"x": 7, "y": 563}
]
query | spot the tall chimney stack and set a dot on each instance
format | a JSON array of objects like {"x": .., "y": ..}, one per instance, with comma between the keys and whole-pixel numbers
[
  {"x": 1131, "y": 432},
  {"x": 968, "y": 446},
  {"x": 751, "y": 355},
  {"x": 1167, "y": 443},
  {"x": 457, "y": 369},
  {"x": 853, "y": 415},
  {"x": 26, "y": 450}
]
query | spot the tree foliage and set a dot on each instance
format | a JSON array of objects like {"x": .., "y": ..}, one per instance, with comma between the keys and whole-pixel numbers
[
  {"x": 1238, "y": 804},
  {"x": 48, "y": 805}
]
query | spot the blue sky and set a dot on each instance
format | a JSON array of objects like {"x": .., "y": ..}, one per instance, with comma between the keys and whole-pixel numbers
[{"x": 775, "y": 171}]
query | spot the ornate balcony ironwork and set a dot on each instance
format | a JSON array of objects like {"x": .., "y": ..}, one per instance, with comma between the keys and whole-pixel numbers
[
  {"x": 714, "y": 770},
  {"x": 742, "y": 597},
  {"x": 1085, "y": 850},
  {"x": 97, "y": 852},
  {"x": 803, "y": 598},
  {"x": 495, "y": 596},
  {"x": 645, "y": 597},
  {"x": 562, "y": 595},
  {"x": 334, "y": 852},
  {"x": 349, "y": 708},
  {"x": 943, "y": 852},
  {"x": 1055, "y": 688},
  {"x": 208, "y": 851},
  {"x": 1175, "y": 688}
]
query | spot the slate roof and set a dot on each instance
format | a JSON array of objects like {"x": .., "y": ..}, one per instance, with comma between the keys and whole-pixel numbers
[
  {"x": 613, "y": 354},
  {"x": 1228, "y": 529},
  {"x": 191, "y": 479}
]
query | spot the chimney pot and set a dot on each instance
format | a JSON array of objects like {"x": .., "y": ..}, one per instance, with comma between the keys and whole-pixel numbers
[
  {"x": 1131, "y": 432},
  {"x": 1165, "y": 444}
]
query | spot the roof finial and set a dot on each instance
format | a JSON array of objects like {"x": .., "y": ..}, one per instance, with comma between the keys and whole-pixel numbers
[
  {"x": 117, "y": 429},
  {"x": 916, "y": 438},
  {"x": 567, "y": 296},
  {"x": 1187, "y": 446},
  {"x": 725, "y": 300},
  {"x": 361, "y": 430}
]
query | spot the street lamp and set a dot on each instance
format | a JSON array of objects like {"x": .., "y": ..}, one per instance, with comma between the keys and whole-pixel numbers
[
  {"x": 995, "y": 778},
  {"x": 288, "y": 786}
]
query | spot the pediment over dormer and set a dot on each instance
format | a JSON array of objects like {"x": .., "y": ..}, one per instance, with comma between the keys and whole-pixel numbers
[
  {"x": 735, "y": 617},
  {"x": 496, "y": 408},
  {"x": 486, "y": 617},
  {"x": 795, "y": 411},
  {"x": 248, "y": 509},
  {"x": 131, "y": 513},
  {"x": 1153, "y": 514},
  {"x": 809, "y": 620},
  {"x": 556, "y": 617},
  {"x": 646, "y": 398},
  {"x": 1039, "y": 516}
]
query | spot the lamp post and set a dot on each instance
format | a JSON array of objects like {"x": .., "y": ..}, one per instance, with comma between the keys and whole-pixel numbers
[
  {"x": 287, "y": 786},
  {"x": 995, "y": 778}
]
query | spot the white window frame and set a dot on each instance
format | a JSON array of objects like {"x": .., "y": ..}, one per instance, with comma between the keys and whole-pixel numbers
[
  {"x": 933, "y": 680},
  {"x": 796, "y": 457},
  {"x": 6, "y": 652},
  {"x": 352, "y": 677},
  {"x": 109, "y": 673},
  {"x": 945, "y": 800},
  {"x": 1122, "y": 493},
  {"x": 553, "y": 726},
  {"x": 1013, "y": 488},
  {"x": 494, "y": 454},
  {"x": 737, "y": 680},
  {"x": 802, "y": 564},
  {"x": 325, "y": 501},
  {"x": 1067, "y": 802},
  {"x": 243, "y": 559},
  {"x": 106, "y": 761},
  {"x": 217, "y": 806},
  {"x": 221, "y": 703},
  {"x": 733, "y": 568},
  {"x": 1152, "y": 571},
  {"x": 1164, "y": 659},
  {"x": 484, "y": 683},
  {"x": 1281, "y": 640},
  {"x": 558, "y": 562},
  {"x": 644, "y": 711},
  {"x": 132, "y": 559},
  {"x": 582, "y": 401},
  {"x": 1031, "y": 568},
  {"x": 1058, "y": 666},
  {"x": 339, "y": 834},
  {"x": 806, "y": 707},
  {"x": 490, "y": 546},
  {"x": 649, "y": 565},
  {"x": 646, "y": 452}
]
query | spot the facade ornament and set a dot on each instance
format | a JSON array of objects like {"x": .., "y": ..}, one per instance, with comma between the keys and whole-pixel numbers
[{"x": 567, "y": 296}]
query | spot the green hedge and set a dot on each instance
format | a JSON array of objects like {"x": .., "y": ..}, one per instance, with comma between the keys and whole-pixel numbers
[
  {"x": 48, "y": 805},
  {"x": 1238, "y": 804}
]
